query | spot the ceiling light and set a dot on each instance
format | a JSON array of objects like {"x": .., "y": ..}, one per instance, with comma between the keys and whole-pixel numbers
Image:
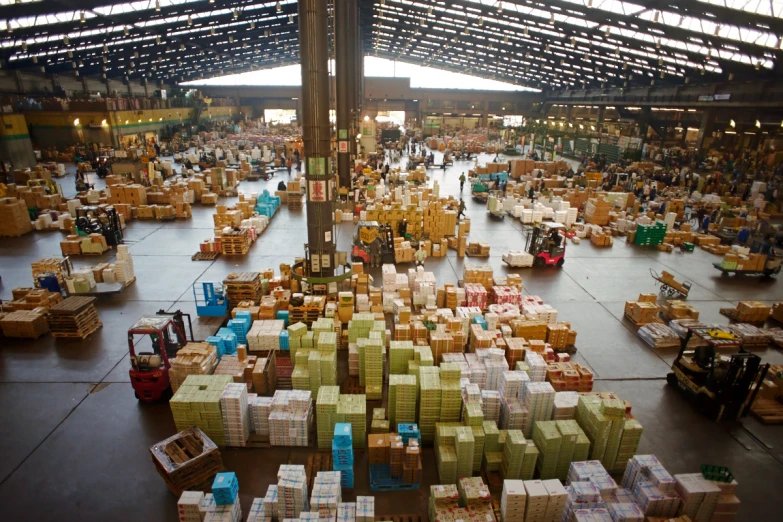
[
  {"x": 126, "y": 30},
  {"x": 81, "y": 17},
  {"x": 190, "y": 20},
  {"x": 8, "y": 26},
  {"x": 105, "y": 48},
  {"x": 181, "y": 47},
  {"x": 733, "y": 124},
  {"x": 70, "y": 53},
  {"x": 35, "y": 59},
  {"x": 526, "y": 29},
  {"x": 592, "y": 127},
  {"x": 717, "y": 30},
  {"x": 731, "y": 76},
  {"x": 157, "y": 40},
  {"x": 24, "y": 46},
  {"x": 573, "y": 41},
  {"x": 65, "y": 40},
  {"x": 657, "y": 15},
  {"x": 758, "y": 124},
  {"x": 76, "y": 122}
]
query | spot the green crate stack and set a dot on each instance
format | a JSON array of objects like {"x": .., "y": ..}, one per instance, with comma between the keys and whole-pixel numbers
[
  {"x": 295, "y": 333},
  {"x": 352, "y": 409},
  {"x": 314, "y": 366},
  {"x": 529, "y": 464},
  {"x": 373, "y": 369},
  {"x": 413, "y": 369},
  {"x": 465, "y": 445},
  {"x": 451, "y": 392},
  {"x": 651, "y": 235},
  {"x": 595, "y": 425},
  {"x": 613, "y": 409},
  {"x": 472, "y": 414},
  {"x": 548, "y": 440},
  {"x": 478, "y": 449},
  {"x": 513, "y": 454},
  {"x": 402, "y": 399},
  {"x": 322, "y": 325},
  {"x": 360, "y": 325},
  {"x": 326, "y": 414},
  {"x": 581, "y": 448},
  {"x": 429, "y": 402},
  {"x": 400, "y": 352},
  {"x": 300, "y": 378},
  {"x": 569, "y": 431},
  {"x": 197, "y": 403},
  {"x": 492, "y": 460},
  {"x": 446, "y": 457},
  {"x": 629, "y": 444}
]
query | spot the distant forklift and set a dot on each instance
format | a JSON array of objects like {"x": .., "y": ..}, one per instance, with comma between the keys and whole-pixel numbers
[
  {"x": 720, "y": 387},
  {"x": 366, "y": 233},
  {"x": 99, "y": 220},
  {"x": 543, "y": 245}
]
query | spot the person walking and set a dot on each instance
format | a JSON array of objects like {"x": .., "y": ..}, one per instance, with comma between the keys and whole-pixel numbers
[
  {"x": 461, "y": 208},
  {"x": 461, "y": 181},
  {"x": 375, "y": 252},
  {"x": 420, "y": 255}
]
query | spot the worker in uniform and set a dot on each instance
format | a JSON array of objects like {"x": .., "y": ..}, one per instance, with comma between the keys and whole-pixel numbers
[
  {"x": 402, "y": 229},
  {"x": 555, "y": 239},
  {"x": 420, "y": 255},
  {"x": 461, "y": 208},
  {"x": 375, "y": 252},
  {"x": 461, "y": 181}
]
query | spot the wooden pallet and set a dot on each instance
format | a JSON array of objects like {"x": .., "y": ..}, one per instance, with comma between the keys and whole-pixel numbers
[
  {"x": 320, "y": 461},
  {"x": 767, "y": 411},
  {"x": 258, "y": 441},
  {"x": 205, "y": 256},
  {"x": 656, "y": 320},
  {"x": 732, "y": 314},
  {"x": 187, "y": 461}
]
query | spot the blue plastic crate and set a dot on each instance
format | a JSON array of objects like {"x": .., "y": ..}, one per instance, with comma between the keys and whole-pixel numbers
[
  {"x": 229, "y": 341},
  {"x": 477, "y": 319},
  {"x": 409, "y": 431},
  {"x": 225, "y": 488},
  {"x": 283, "y": 315},
  {"x": 381, "y": 480},
  {"x": 285, "y": 344},
  {"x": 343, "y": 435},
  {"x": 336, "y": 466}
]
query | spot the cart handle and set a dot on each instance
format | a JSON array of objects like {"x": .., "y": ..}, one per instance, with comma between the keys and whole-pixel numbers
[{"x": 654, "y": 274}]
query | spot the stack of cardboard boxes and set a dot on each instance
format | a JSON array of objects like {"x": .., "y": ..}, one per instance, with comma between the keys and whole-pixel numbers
[
  {"x": 14, "y": 219},
  {"x": 644, "y": 310},
  {"x": 597, "y": 211}
]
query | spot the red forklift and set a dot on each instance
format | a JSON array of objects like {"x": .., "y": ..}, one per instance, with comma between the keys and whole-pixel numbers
[
  {"x": 543, "y": 245},
  {"x": 163, "y": 335},
  {"x": 366, "y": 233}
]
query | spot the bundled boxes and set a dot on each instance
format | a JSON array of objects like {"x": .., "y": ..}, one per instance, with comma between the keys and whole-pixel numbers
[{"x": 14, "y": 218}]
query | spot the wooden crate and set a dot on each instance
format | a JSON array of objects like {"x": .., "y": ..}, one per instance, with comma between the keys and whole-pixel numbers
[
  {"x": 235, "y": 243},
  {"x": 242, "y": 286},
  {"x": 25, "y": 324},
  {"x": 187, "y": 461}
]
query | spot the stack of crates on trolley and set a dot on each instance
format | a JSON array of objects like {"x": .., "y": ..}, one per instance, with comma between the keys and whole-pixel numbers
[{"x": 342, "y": 453}]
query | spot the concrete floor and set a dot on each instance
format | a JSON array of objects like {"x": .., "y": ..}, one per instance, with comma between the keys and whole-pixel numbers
[{"x": 71, "y": 451}]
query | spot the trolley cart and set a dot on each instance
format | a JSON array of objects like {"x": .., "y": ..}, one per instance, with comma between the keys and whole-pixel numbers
[{"x": 670, "y": 286}]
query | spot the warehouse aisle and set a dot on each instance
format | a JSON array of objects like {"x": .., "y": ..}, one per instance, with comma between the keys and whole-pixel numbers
[{"x": 73, "y": 450}]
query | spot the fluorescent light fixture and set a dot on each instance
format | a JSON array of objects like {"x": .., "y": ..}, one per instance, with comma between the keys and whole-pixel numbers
[
  {"x": 76, "y": 122},
  {"x": 758, "y": 124},
  {"x": 733, "y": 124},
  {"x": 104, "y": 123},
  {"x": 157, "y": 5}
]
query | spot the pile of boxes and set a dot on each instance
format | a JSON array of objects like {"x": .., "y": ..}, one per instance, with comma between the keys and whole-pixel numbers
[
  {"x": 644, "y": 310},
  {"x": 291, "y": 418},
  {"x": 597, "y": 211},
  {"x": 342, "y": 454},
  {"x": 197, "y": 402},
  {"x": 14, "y": 218}
]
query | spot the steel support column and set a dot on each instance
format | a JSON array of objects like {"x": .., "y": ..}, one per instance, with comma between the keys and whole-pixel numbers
[
  {"x": 316, "y": 136},
  {"x": 345, "y": 40},
  {"x": 644, "y": 123},
  {"x": 705, "y": 128}
]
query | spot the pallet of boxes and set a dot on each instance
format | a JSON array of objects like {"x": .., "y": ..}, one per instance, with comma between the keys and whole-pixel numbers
[
  {"x": 14, "y": 218},
  {"x": 597, "y": 211},
  {"x": 642, "y": 311}
]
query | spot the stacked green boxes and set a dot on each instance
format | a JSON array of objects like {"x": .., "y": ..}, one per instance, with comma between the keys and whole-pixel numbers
[
  {"x": 613, "y": 409},
  {"x": 582, "y": 448},
  {"x": 491, "y": 435},
  {"x": 300, "y": 377},
  {"x": 472, "y": 414},
  {"x": 326, "y": 343},
  {"x": 326, "y": 414},
  {"x": 429, "y": 402},
  {"x": 295, "y": 333},
  {"x": 632, "y": 434},
  {"x": 650, "y": 234},
  {"x": 373, "y": 368},
  {"x": 595, "y": 425},
  {"x": 197, "y": 403},
  {"x": 513, "y": 454},
  {"x": 352, "y": 409},
  {"x": 451, "y": 392},
  {"x": 446, "y": 457},
  {"x": 492, "y": 460},
  {"x": 359, "y": 326},
  {"x": 323, "y": 325},
  {"x": 314, "y": 367},
  {"x": 465, "y": 445},
  {"x": 423, "y": 356},
  {"x": 569, "y": 432},
  {"x": 400, "y": 352},
  {"x": 548, "y": 441},
  {"x": 478, "y": 448},
  {"x": 402, "y": 399},
  {"x": 529, "y": 464},
  {"x": 522, "y": 366}
]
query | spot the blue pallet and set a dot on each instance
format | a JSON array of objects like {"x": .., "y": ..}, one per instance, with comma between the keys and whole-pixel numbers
[{"x": 381, "y": 480}]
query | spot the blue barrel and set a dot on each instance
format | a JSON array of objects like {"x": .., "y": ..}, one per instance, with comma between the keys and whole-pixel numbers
[{"x": 48, "y": 281}]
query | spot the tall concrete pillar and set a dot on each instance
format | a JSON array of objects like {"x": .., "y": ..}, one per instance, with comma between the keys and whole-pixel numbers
[
  {"x": 643, "y": 122},
  {"x": 316, "y": 136},
  {"x": 345, "y": 40},
  {"x": 705, "y": 128},
  {"x": 599, "y": 119}
]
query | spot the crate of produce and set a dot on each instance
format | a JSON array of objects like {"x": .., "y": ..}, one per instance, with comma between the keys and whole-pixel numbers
[{"x": 188, "y": 460}]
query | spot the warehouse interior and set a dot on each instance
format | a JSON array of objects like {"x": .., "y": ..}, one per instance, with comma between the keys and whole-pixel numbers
[{"x": 102, "y": 105}]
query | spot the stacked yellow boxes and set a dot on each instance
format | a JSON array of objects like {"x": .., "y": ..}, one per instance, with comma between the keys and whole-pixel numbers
[
  {"x": 429, "y": 402},
  {"x": 197, "y": 403},
  {"x": 402, "y": 399},
  {"x": 326, "y": 414},
  {"x": 326, "y": 342},
  {"x": 373, "y": 368},
  {"x": 352, "y": 409},
  {"x": 465, "y": 444},
  {"x": 451, "y": 392},
  {"x": 400, "y": 352}
]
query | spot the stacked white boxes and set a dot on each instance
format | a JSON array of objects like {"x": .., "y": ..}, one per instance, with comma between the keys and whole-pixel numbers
[
  {"x": 539, "y": 399},
  {"x": 365, "y": 509},
  {"x": 536, "y": 502},
  {"x": 565, "y": 405},
  {"x": 257, "y": 512},
  {"x": 123, "y": 266},
  {"x": 188, "y": 506},
  {"x": 346, "y": 512},
  {"x": 265, "y": 335},
  {"x": 514, "y": 415},
  {"x": 260, "y": 409},
  {"x": 233, "y": 405},
  {"x": 326, "y": 494},
  {"x": 490, "y": 405},
  {"x": 291, "y": 418},
  {"x": 699, "y": 496},
  {"x": 291, "y": 491},
  {"x": 512, "y": 501},
  {"x": 557, "y": 500},
  {"x": 652, "y": 486},
  {"x": 537, "y": 366},
  {"x": 270, "y": 500},
  {"x": 511, "y": 383}
]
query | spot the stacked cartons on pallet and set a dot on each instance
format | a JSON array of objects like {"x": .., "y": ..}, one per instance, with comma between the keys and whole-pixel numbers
[{"x": 14, "y": 218}]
